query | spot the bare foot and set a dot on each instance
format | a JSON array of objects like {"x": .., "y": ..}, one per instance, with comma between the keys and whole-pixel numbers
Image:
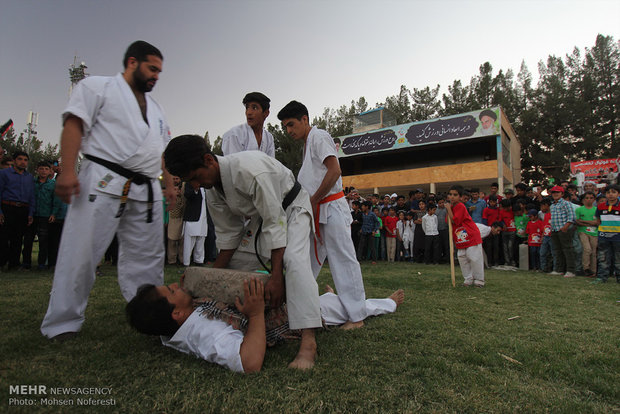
[
  {"x": 398, "y": 296},
  {"x": 328, "y": 289},
  {"x": 352, "y": 325},
  {"x": 307, "y": 351}
]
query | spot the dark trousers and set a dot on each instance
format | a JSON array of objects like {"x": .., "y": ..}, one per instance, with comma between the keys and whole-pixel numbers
[
  {"x": 444, "y": 237},
  {"x": 509, "y": 241},
  {"x": 54, "y": 241},
  {"x": 563, "y": 250},
  {"x": 534, "y": 257},
  {"x": 366, "y": 242},
  {"x": 608, "y": 259},
  {"x": 40, "y": 227},
  {"x": 12, "y": 234},
  {"x": 432, "y": 249},
  {"x": 492, "y": 246}
]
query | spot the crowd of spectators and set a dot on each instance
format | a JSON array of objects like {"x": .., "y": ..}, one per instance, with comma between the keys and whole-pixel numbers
[{"x": 564, "y": 229}]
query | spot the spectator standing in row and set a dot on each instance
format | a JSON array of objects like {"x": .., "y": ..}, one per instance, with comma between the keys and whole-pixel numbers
[
  {"x": 44, "y": 186},
  {"x": 391, "y": 233},
  {"x": 17, "y": 205},
  {"x": 534, "y": 230},
  {"x": 370, "y": 225},
  {"x": 442, "y": 227},
  {"x": 547, "y": 260},
  {"x": 506, "y": 215},
  {"x": 492, "y": 243},
  {"x": 432, "y": 241},
  {"x": 476, "y": 206},
  {"x": 356, "y": 224},
  {"x": 562, "y": 231},
  {"x": 587, "y": 230},
  {"x": 608, "y": 217}
]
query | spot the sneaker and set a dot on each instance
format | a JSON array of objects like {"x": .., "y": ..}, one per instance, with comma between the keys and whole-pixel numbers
[
  {"x": 569, "y": 274},
  {"x": 589, "y": 273},
  {"x": 597, "y": 281},
  {"x": 555, "y": 273}
]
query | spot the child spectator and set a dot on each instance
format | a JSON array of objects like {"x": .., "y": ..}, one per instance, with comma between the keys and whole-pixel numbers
[
  {"x": 491, "y": 244},
  {"x": 509, "y": 234},
  {"x": 432, "y": 242},
  {"x": 390, "y": 234},
  {"x": 409, "y": 232},
  {"x": 608, "y": 218},
  {"x": 418, "y": 234},
  {"x": 369, "y": 226},
  {"x": 382, "y": 240},
  {"x": 377, "y": 235},
  {"x": 562, "y": 231},
  {"x": 547, "y": 260},
  {"x": 467, "y": 239},
  {"x": 442, "y": 226},
  {"x": 534, "y": 230},
  {"x": 401, "y": 253},
  {"x": 587, "y": 229},
  {"x": 356, "y": 225}
]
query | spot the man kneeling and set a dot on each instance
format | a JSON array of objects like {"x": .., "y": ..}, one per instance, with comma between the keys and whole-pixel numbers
[{"x": 219, "y": 333}]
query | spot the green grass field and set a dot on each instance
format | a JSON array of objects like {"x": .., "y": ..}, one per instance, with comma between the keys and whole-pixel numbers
[{"x": 444, "y": 350}]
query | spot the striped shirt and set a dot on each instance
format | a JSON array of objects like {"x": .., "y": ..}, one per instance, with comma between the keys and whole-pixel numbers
[
  {"x": 610, "y": 221},
  {"x": 561, "y": 213}
]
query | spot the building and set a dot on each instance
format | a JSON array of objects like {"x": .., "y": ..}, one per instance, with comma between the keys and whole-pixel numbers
[{"x": 473, "y": 149}]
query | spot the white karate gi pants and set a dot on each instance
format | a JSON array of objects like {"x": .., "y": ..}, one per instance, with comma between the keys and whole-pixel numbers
[
  {"x": 334, "y": 312},
  {"x": 89, "y": 228},
  {"x": 338, "y": 248},
  {"x": 302, "y": 293},
  {"x": 471, "y": 261}
]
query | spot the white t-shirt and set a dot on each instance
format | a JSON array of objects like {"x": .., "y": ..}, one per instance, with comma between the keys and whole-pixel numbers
[
  {"x": 242, "y": 138},
  {"x": 114, "y": 130},
  {"x": 209, "y": 339}
]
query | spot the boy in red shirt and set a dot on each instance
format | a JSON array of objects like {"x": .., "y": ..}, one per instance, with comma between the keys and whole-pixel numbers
[
  {"x": 510, "y": 231},
  {"x": 467, "y": 239},
  {"x": 534, "y": 230},
  {"x": 492, "y": 244},
  {"x": 389, "y": 223}
]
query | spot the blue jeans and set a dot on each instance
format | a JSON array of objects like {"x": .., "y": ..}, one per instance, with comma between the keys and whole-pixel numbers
[
  {"x": 546, "y": 252},
  {"x": 578, "y": 253},
  {"x": 508, "y": 239},
  {"x": 608, "y": 253}
]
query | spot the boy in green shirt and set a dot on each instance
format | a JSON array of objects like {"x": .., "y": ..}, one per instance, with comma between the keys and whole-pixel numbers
[{"x": 588, "y": 232}]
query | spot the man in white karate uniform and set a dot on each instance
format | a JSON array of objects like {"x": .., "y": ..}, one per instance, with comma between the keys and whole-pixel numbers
[
  {"x": 222, "y": 337},
  {"x": 251, "y": 136},
  {"x": 122, "y": 132},
  {"x": 320, "y": 176},
  {"x": 247, "y": 184}
]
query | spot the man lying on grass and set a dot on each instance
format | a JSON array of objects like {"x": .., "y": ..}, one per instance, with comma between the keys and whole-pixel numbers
[{"x": 232, "y": 336}]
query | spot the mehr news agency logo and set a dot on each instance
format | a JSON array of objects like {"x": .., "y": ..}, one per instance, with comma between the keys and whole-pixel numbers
[{"x": 33, "y": 395}]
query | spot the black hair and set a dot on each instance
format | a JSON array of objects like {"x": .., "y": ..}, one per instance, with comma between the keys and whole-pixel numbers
[
  {"x": 391, "y": 208},
  {"x": 140, "y": 50},
  {"x": 440, "y": 198},
  {"x": 185, "y": 153},
  {"x": 150, "y": 313},
  {"x": 20, "y": 154},
  {"x": 357, "y": 203},
  {"x": 457, "y": 188},
  {"x": 499, "y": 224},
  {"x": 259, "y": 98},
  {"x": 474, "y": 190},
  {"x": 506, "y": 203},
  {"x": 399, "y": 197},
  {"x": 431, "y": 206},
  {"x": 492, "y": 197},
  {"x": 546, "y": 201},
  {"x": 293, "y": 109},
  {"x": 489, "y": 113},
  {"x": 521, "y": 186},
  {"x": 494, "y": 185},
  {"x": 612, "y": 187},
  {"x": 43, "y": 164},
  {"x": 367, "y": 204},
  {"x": 384, "y": 209}
]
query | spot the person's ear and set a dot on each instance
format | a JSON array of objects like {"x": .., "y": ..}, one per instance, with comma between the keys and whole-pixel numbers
[
  {"x": 208, "y": 160},
  {"x": 179, "y": 315}
]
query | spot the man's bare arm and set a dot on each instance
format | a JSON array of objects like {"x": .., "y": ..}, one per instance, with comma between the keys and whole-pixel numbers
[
  {"x": 223, "y": 258},
  {"x": 254, "y": 343},
  {"x": 67, "y": 184}
]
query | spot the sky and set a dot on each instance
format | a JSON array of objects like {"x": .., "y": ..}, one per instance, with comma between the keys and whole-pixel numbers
[{"x": 322, "y": 53}]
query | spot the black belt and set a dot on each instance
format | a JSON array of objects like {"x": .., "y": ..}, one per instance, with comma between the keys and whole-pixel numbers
[
  {"x": 288, "y": 199},
  {"x": 132, "y": 177}
]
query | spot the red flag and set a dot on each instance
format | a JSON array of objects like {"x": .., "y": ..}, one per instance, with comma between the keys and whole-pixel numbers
[{"x": 5, "y": 128}]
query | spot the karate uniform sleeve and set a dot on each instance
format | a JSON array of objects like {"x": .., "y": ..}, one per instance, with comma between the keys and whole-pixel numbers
[
  {"x": 85, "y": 101},
  {"x": 323, "y": 146},
  {"x": 228, "y": 227},
  {"x": 271, "y": 149},
  {"x": 230, "y": 142},
  {"x": 267, "y": 198},
  {"x": 211, "y": 340}
]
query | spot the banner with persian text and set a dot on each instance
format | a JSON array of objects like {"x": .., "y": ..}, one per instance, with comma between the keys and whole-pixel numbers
[
  {"x": 597, "y": 170},
  {"x": 451, "y": 128}
]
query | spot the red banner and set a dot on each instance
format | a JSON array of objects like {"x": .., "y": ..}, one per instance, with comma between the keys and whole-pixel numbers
[{"x": 596, "y": 170}]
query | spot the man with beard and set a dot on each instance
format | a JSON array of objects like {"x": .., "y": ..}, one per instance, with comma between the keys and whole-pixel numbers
[{"x": 122, "y": 133}]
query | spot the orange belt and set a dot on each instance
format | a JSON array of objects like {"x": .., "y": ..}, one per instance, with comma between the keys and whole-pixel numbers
[{"x": 317, "y": 215}]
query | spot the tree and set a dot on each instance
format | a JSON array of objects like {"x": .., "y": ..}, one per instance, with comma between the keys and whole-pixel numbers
[
  {"x": 217, "y": 146},
  {"x": 425, "y": 103},
  {"x": 400, "y": 105},
  {"x": 288, "y": 151},
  {"x": 458, "y": 100},
  {"x": 32, "y": 146}
]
